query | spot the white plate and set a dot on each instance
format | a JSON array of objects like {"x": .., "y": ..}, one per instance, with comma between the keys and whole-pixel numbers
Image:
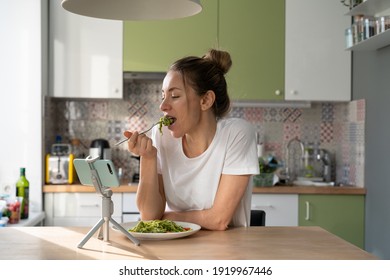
[{"x": 160, "y": 236}]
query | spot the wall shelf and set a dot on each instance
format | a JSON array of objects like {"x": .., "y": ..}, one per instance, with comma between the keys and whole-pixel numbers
[
  {"x": 373, "y": 43},
  {"x": 370, "y": 8},
  {"x": 375, "y": 8}
]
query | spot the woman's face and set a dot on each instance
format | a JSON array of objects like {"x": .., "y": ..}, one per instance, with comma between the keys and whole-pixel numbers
[{"x": 181, "y": 103}]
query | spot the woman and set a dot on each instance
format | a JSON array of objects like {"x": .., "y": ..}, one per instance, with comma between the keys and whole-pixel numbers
[{"x": 201, "y": 165}]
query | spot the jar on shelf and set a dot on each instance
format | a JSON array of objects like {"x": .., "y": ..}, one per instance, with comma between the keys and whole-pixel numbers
[
  {"x": 387, "y": 22},
  {"x": 358, "y": 29},
  {"x": 369, "y": 27},
  {"x": 382, "y": 24},
  {"x": 348, "y": 37}
]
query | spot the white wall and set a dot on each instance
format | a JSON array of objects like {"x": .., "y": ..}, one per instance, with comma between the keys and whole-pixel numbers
[{"x": 22, "y": 84}]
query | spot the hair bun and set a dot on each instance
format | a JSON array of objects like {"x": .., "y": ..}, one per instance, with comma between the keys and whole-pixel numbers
[{"x": 221, "y": 59}]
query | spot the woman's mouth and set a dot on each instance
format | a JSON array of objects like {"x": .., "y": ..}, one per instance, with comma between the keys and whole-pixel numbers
[{"x": 171, "y": 119}]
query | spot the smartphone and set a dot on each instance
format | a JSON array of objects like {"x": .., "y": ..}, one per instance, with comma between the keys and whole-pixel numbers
[{"x": 105, "y": 169}]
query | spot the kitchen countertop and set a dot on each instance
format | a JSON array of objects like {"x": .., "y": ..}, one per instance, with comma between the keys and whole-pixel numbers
[
  {"x": 351, "y": 190},
  {"x": 34, "y": 219},
  {"x": 310, "y": 190},
  {"x": 86, "y": 189},
  {"x": 267, "y": 243}
]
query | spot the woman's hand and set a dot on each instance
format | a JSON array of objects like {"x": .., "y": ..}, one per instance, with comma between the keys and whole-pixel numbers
[
  {"x": 230, "y": 192},
  {"x": 140, "y": 144}
]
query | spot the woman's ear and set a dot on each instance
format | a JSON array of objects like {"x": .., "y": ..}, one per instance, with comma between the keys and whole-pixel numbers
[{"x": 207, "y": 100}]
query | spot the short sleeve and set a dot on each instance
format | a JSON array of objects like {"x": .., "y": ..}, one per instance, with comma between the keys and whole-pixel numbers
[{"x": 241, "y": 153}]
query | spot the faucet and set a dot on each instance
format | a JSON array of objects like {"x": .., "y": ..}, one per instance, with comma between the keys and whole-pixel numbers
[
  {"x": 324, "y": 156},
  {"x": 291, "y": 174}
]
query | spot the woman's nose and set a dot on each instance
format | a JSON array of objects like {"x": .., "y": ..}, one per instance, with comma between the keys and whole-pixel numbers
[{"x": 164, "y": 105}]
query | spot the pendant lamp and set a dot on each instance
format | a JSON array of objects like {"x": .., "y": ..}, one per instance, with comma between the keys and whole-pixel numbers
[{"x": 129, "y": 10}]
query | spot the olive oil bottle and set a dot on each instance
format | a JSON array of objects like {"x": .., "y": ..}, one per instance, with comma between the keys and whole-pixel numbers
[{"x": 22, "y": 190}]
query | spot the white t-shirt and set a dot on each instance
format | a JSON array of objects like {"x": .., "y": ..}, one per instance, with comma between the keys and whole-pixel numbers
[{"x": 192, "y": 183}]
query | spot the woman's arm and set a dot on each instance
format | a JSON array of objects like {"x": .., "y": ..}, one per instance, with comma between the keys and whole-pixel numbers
[
  {"x": 150, "y": 195},
  {"x": 230, "y": 191}
]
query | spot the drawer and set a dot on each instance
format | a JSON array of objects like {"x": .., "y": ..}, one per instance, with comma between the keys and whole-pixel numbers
[
  {"x": 129, "y": 204},
  {"x": 83, "y": 205},
  {"x": 280, "y": 209}
]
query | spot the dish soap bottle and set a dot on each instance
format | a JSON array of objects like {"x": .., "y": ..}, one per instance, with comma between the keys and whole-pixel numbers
[{"x": 22, "y": 190}]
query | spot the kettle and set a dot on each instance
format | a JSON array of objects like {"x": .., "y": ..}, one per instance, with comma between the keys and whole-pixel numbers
[{"x": 100, "y": 148}]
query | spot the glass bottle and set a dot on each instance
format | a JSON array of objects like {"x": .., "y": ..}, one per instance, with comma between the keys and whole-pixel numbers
[
  {"x": 77, "y": 150},
  {"x": 22, "y": 190}
]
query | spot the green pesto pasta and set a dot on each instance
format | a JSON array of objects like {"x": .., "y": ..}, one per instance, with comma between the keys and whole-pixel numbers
[
  {"x": 157, "y": 226},
  {"x": 165, "y": 121}
]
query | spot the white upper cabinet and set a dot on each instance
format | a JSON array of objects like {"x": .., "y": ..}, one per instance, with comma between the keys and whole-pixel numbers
[
  {"x": 85, "y": 55},
  {"x": 317, "y": 67}
]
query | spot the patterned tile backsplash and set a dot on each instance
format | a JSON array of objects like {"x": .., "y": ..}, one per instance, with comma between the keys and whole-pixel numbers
[{"x": 336, "y": 127}]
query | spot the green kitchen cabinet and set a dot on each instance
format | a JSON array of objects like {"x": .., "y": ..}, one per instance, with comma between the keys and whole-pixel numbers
[
  {"x": 152, "y": 46},
  {"x": 253, "y": 33},
  {"x": 342, "y": 215}
]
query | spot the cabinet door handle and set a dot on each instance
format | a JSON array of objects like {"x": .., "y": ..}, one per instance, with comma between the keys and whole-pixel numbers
[
  {"x": 307, "y": 217},
  {"x": 261, "y": 207},
  {"x": 89, "y": 205}
]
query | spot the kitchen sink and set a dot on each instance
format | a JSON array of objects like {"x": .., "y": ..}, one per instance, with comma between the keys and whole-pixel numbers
[{"x": 313, "y": 183}]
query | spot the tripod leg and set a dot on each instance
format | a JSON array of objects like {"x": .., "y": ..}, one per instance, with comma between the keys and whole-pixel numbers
[
  {"x": 90, "y": 233},
  {"x": 103, "y": 232},
  {"x": 100, "y": 234},
  {"x": 125, "y": 232}
]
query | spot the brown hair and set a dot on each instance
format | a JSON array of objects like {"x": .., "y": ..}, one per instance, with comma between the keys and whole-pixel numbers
[{"x": 207, "y": 73}]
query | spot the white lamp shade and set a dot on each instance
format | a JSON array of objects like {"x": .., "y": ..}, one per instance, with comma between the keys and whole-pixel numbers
[{"x": 129, "y": 10}]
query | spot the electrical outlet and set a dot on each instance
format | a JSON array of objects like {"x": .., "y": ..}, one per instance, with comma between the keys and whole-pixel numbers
[{"x": 7, "y": 189}]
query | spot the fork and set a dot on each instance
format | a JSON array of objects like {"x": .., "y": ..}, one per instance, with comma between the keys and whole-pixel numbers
[{"x": 143, "y": 132}]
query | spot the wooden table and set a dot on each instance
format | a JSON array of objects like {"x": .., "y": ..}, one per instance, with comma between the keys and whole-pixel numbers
[{"x": 272, "y": 243}]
